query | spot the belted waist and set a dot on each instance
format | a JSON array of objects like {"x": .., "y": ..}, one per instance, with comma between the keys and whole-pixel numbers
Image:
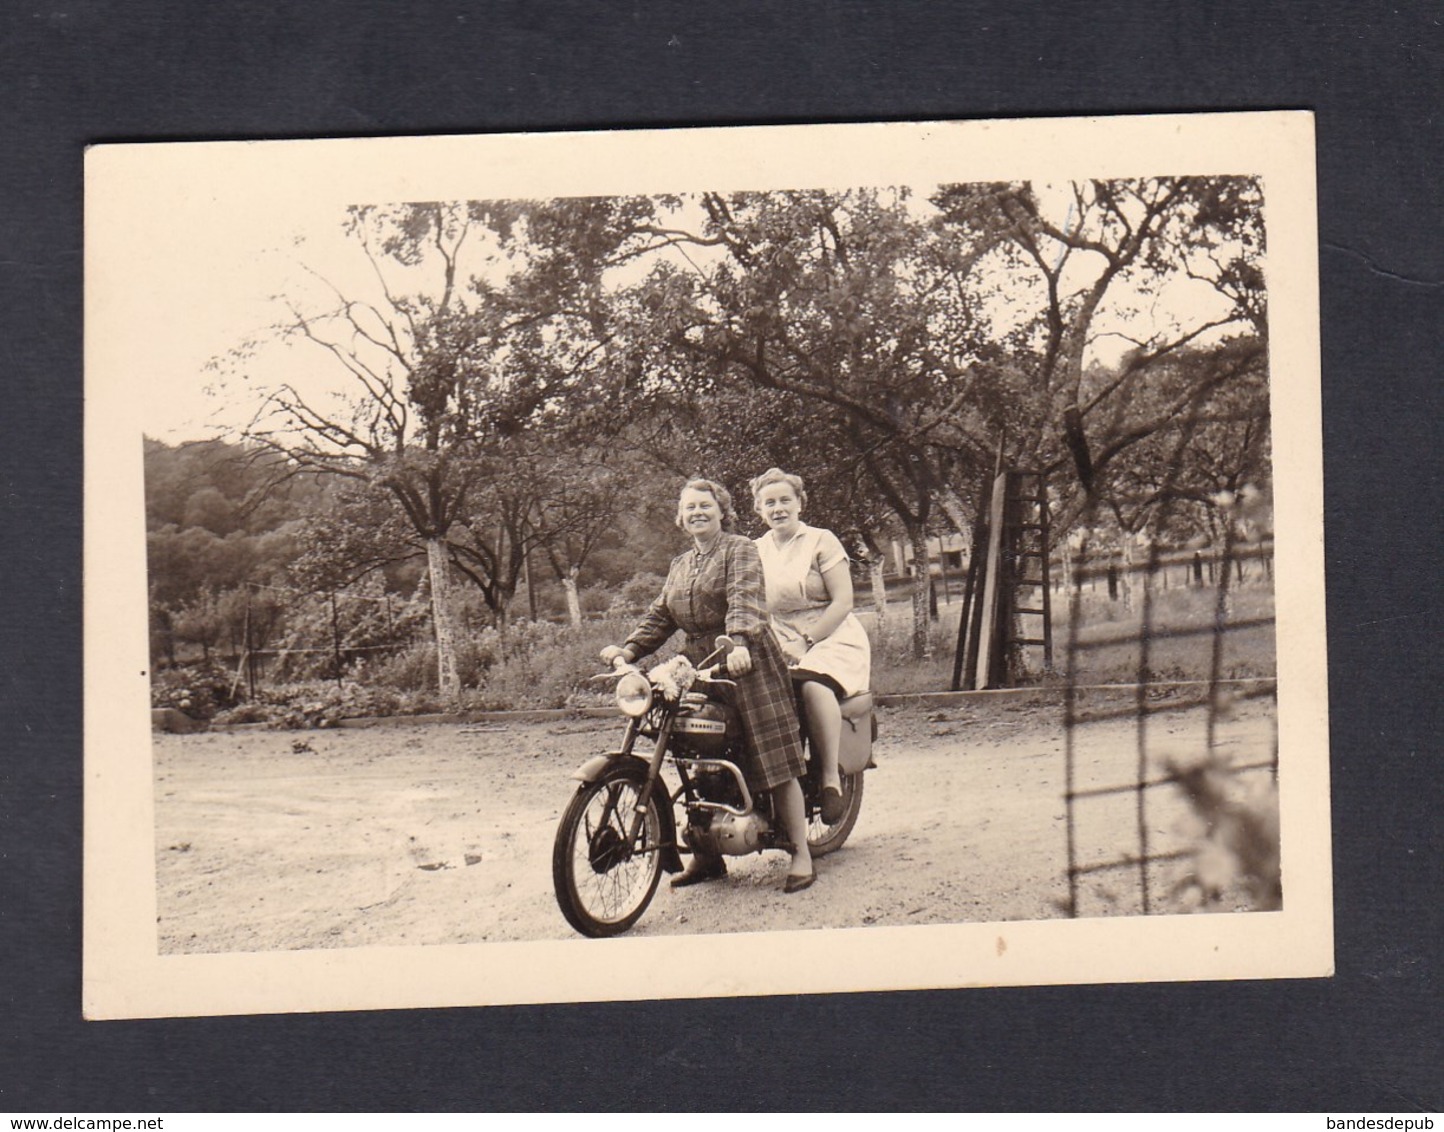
[{"x": 708, "y": 638}]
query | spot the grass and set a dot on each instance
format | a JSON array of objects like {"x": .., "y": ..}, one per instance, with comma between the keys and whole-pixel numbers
[
  {"x": 543, "y": 665},
  {"x": 1108, "y": 646}
]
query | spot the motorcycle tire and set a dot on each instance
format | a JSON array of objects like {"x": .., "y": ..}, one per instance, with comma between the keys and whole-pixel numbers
[
  {"x": 603, "y": 885},
  {"x": 822, "y": 838}
]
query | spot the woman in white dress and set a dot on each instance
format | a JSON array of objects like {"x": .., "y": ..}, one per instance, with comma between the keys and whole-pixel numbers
[{"x": 809, "y": 599}]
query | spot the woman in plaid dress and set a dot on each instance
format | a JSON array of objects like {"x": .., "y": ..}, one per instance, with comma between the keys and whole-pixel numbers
[{"x": 717, "y": 587}]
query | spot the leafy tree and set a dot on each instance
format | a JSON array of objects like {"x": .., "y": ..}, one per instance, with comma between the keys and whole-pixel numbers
[
  {"x": 1171, "y": 482},
  {"x": 829, "y": 305},
  {"x": 521, "y": 365},
  {"x": 412, "y": 417},
  {"x": 1122, "y": 244}
]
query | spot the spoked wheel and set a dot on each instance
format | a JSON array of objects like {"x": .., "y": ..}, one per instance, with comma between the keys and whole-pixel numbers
[
  {"x": 822, "y": 838},
  {"x": 603, "y": 881}
]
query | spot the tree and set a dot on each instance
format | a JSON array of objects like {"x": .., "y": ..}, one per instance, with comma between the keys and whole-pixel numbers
[
  {"x": 584, "y": 493},
  {"x": 1079, "y": 279},
  {"x": 829, "y": 305},
  {"x": 919, "y": 340},
  {"x": 412, "y": 418},
  {"x": 1171, "y": 481}
]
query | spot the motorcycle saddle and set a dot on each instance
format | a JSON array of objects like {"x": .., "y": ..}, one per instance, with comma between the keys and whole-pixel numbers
[{"x": 858, "y": 705}]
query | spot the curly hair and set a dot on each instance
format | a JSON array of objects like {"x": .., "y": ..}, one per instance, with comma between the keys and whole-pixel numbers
[
  {"x": 717, "y": 492},
  {"x": 777, "y": 475}
]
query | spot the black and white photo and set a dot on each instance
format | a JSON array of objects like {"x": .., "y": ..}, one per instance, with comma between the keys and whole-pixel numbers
[{"x": 397, "y": 448}]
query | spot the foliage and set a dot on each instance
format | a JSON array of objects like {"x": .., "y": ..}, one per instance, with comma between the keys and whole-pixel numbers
[
  {"x": 529, "y": 380},
  {"x": 1239, "y": 850},
  {"x": 323, "y": 704},
  {"x": 637, "y": 593},
  {"x": 199, "y": 690},
  {"x": 525, "y": 665}
]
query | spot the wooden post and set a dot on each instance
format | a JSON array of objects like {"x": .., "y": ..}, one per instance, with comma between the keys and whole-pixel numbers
[
  {"x": 250, "y": 652},
  {"x": 336, "y": 639},
  {"x": 987, "y": 631}
]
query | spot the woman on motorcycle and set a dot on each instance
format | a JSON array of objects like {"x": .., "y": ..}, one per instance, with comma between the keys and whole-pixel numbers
[
  {"x": 717, "y": 587},
  {"x": 809, "y": 595}
]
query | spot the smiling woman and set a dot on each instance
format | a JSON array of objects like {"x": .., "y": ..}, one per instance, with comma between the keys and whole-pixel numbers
[
  {"x": 809, "y": 597},
  {"x": 718, "y": 587}
]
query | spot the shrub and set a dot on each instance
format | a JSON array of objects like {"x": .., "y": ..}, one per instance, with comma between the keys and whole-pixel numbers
[
  {"x": 527, "y": 664},
  {"x": 199, "y": 690},
  {"x": 637, "y": 592},
  {"x": 414, "y": 667},
  {"x": 543, "y": 665},
  {"x": 598, "y": 599},
  {"x": 318, "y": 704}
]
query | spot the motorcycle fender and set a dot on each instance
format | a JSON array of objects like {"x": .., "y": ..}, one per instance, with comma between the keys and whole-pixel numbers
[
  {"x": 629, "y": 766},
  {"x": 592, "y": 769}
]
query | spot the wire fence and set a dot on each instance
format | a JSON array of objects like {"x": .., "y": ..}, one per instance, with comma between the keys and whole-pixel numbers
[{"x": 1171, "y": 784}]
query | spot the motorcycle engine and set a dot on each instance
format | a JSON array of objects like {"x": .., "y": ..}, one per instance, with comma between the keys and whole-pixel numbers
[{"x": 728, "y": 835}]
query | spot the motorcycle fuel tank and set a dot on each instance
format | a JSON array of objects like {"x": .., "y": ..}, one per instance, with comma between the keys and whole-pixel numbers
[{"x": 704, "y": 730}]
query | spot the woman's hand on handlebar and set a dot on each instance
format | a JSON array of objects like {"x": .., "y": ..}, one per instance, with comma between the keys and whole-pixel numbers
[
  {"x": 739, "y": 661},
  {"x": 614, "y": 655}
]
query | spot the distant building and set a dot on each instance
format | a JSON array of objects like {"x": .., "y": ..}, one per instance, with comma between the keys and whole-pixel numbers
[{"x": 949, "y": 551}]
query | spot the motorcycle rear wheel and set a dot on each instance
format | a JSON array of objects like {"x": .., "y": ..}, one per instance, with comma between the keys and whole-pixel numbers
[
  {"x": 822, "y": 838},
  {"x": 603, "y": 885}
]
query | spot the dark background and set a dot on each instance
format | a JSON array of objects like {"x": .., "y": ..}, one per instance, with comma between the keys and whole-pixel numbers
[{"x": 1368, "y": 1039}]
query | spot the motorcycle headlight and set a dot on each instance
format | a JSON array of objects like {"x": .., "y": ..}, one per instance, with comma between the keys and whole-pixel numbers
[{"x": 634, "y": 694}]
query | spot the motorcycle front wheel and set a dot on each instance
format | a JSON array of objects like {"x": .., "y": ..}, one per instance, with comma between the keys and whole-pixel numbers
[
  {"x": 604, "y": 883},
  {"x": 822, "y": 838}
]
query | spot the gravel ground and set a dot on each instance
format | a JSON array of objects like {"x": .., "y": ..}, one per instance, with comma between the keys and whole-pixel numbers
[{"x": 442, "y": 833}]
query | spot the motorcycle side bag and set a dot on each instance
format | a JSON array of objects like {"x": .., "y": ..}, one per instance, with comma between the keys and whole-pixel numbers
[{"x": 854, "y": 751}]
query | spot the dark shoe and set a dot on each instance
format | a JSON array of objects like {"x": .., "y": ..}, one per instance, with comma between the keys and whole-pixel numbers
[
  {"x": 701, "y": 869},
  {"x": 798, "y": 883},
  {"x": 834, "y": 809}
]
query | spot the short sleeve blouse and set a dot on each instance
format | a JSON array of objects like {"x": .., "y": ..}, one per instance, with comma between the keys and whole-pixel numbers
[{"x": 795, "y": 568}]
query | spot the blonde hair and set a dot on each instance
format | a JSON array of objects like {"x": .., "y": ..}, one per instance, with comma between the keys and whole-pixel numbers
[
  {"x": 777, "y": 475},
  {"x": 717, "y": 492}
]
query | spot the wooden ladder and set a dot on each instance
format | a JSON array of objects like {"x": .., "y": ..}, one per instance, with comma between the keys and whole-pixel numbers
[{"x": 1007, "y": 581}]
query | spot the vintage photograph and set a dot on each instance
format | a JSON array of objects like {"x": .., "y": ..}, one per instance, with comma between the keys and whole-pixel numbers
[{"x": 739, "y": 561}]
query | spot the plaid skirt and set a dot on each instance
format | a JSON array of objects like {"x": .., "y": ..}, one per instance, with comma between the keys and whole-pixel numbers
[{"x": 764, "y": 701}]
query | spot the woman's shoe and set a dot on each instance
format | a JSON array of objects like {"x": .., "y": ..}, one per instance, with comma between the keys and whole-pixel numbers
[
  {"x": 700, "y": 869},
  {"x": 834, "y": 809},
  {"x": 798, "y": 883}
]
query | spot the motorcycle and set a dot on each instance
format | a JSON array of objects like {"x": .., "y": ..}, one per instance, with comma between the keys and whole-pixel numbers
[{"x": 619, "y": 832}]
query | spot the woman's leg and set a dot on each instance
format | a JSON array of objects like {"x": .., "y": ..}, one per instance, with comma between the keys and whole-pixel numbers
[
  {"x": 824, "y": 725},
  {"x": 793, "y": 818}
]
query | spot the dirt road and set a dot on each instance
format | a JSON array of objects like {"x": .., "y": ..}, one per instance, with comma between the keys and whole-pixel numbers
[{"x": 422, "y": 834}]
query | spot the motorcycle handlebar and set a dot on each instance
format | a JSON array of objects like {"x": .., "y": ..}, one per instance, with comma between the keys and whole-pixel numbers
[{"x": 716, "y": 674}]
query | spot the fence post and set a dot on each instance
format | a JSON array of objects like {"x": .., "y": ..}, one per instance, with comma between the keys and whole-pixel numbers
[
  {"x": 250, "y": 652},
  {"x": 336, "y": 639}
]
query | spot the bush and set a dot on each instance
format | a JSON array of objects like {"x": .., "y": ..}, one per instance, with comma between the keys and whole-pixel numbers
[
  {"x": 199, "y": 690},
  {"x": 543, "y": 665},
  {"x": 528, "y": 664},
  {"x": 318, "y": 704},
  {"x": 414, "y": 667},
  {"x": 411, "y": 669},
  {"x": 637, "y": 593},
  {"x": 598, "y": 599}
]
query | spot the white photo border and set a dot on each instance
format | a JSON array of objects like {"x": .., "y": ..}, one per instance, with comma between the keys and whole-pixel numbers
[{"x": 131, "y": 188}]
